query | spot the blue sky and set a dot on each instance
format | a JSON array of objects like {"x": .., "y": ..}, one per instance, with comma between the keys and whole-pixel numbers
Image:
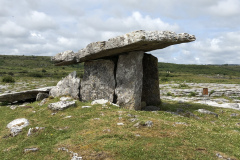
[{"x": 47, "y": 27}]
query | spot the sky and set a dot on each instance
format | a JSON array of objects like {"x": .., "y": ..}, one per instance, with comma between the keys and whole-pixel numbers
[{"x": 48, "y": 27}]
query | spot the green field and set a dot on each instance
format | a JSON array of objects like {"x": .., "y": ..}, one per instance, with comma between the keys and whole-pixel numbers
[
  {"x": 93, "y": 132},
  {"x": 21, "y": 67}
]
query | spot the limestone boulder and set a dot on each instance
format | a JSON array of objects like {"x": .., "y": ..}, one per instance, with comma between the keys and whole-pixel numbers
[
  {"x": 98, "y": 80},
  {"x": 129, "y": 78},
  {"x": 17, "y": 125},
  {"x": 134, "y": 41},
  {"x": 68, "y": 86},
  {"x": 61, "y": 105}
]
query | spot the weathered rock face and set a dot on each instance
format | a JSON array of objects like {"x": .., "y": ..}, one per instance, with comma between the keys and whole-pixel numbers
[
  {"x": 24, "y": 95},
  {"x": 150, "y": 90},
  {"x": 98, "y": 80},
  {"x": 134, "y": 41},
  {"x": 129, "y": 78},
  {"x": 69, "y": 86}
]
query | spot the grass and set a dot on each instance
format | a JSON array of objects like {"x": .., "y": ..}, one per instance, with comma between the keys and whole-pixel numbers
[{"x": 102, "y": 138}]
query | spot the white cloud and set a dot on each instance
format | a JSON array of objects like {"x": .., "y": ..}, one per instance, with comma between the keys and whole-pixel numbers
[
  {"x": 226, "y": 8},
  {"x": 39, "y": 21},
  {"x": 49, "y": 27},
  {"x": 11, "y": 29}
]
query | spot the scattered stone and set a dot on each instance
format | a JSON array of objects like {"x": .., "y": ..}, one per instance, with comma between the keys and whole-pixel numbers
[
  {"x": 133, "y": 119},
  {"x": 86, "y": 106},
  {"x": 41, "y": 96},
  {"x": 106, "y": 130},
  {"x": 138, "y": 135},
  {"x": 149, "y": 123},
  {"x": 120, "y": 124},
  {"x": 61, "y": 105},
  {"x": 13, "y": 107},
  {"x": 43, "y": 102},
  {"x": 26, "y": 150},
  {"x": 67, "y": 117},
  {"x": 69, "y": 86},
  {"x": 53, "y": 114},
  {"x": 65, "y": 98},
  {"x": 207, "y": 112},
  {"x": 34, "y": 130},
  {"x": 96, "y": 119},
  {"x": 181, "y": 123},
  {"x": 17, "y": 125},
  {"x": 219, "y": 155},
  {"x": 234, "y": 115},
  {"x": 99, "y": 101},
  {"x": 234, "y": 105}
]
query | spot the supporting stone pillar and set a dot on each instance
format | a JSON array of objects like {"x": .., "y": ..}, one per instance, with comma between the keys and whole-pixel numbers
[
  {"x": 129, "y": 78},
  {"x": 98, "y": 80},
  {"x": 150, "y": 90}
]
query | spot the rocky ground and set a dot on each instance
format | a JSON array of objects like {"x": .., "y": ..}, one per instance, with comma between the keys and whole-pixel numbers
[{"x": 219, "y": 95}]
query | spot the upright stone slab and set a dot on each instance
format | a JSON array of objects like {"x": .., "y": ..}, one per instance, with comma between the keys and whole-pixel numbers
[
  {"x": 69, "y": 86},
  {"x": 150, "y": 90},
  {"x": 129, "y": 78},
  {"x": 98, "y": 80}
]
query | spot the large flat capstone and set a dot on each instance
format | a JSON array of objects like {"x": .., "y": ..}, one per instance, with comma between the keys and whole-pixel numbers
[{"x": 134, "y": 41}]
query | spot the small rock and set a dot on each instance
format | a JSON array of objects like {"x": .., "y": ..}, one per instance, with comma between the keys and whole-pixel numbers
[
  {"x": 207, "y": 112},
  {"x": 17, "y": 125},
  {"x": 41, "y": 96},
  {"x": 61, "y": 105},
  {"x": 138, "y": 135},
  {"x": 120, "y": 124},
  {"x": 65, "y": 98},
  {"x": 86, "y": 106},
  {"x": 13, "y": 107},
  {"x": 34, "y": 130},
  {"x": 136, "y": 125},
  {"x": 219, "y": 155},
  {"x": 234, "y": 105},
  {"x": 99, "y": 101},
  {"x": 133, "y": 119},
  {"x": 234, "y": 114},
  {"x": 43, "y": 102},
  {"x": 68, "y": 117},
  {"x": 181, "y": 123},
  {"x": 53, "y": 114},
  {"x": 26, "y": 150},
  {"x": 106, "y": 130},
  {"x": 149, "y": 123},
  {"x": 96, "y": 119}
]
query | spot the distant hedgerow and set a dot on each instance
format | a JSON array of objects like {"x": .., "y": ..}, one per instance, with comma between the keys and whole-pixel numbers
[{"x": 8, "y": 79}]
